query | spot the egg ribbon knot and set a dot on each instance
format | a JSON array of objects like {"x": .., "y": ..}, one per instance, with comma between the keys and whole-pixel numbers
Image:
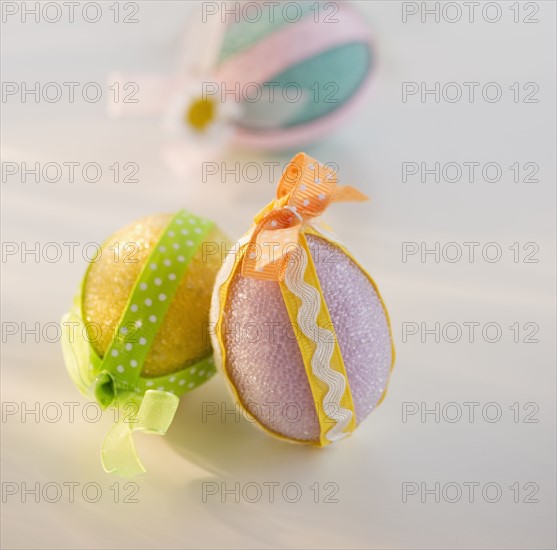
[
  {"x": 151, "y": 412},
  {"x": 305, "y": 191}
]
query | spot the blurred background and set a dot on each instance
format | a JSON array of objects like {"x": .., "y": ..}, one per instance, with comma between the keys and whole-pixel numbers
[{"x": 408, "y": 478}]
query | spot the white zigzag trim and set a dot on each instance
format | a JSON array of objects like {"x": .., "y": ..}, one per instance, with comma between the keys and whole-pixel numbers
[{"x": 324, "y": 341}]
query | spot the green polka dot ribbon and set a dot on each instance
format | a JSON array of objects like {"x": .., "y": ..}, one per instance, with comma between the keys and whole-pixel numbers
[{"x": 143, "y": 404}]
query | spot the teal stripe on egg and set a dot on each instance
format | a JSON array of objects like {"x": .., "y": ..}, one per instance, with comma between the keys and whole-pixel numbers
[
  {"x": 244, "y": 34},
  {"x": 338, "y": 72}
]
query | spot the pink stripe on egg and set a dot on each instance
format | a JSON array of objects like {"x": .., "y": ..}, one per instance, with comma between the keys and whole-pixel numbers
[
  {"x": 290, "y": 46},
  {"x": 287, "y": 47}
]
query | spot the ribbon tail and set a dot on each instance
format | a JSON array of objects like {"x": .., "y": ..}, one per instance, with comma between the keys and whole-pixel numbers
[
  {"x": 156, "y": 412},
  {"x": 346, "y": 193},
  {"x": 155, "y": 415},
  {"x": 118, "y": 454}
]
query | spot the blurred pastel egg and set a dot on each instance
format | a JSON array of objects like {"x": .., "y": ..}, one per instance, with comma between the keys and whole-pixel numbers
[
  {"x": 260, "y": 75},
  {"x": 299, "y": 72}
]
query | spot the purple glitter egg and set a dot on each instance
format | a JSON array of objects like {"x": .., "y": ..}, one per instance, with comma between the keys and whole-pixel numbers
[{"x": 264, "y": 362}]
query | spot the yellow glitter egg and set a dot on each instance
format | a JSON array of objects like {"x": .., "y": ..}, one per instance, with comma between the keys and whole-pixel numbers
[
  {"x": 136, "y": 337},
  {"x": 109, "y": 281}
]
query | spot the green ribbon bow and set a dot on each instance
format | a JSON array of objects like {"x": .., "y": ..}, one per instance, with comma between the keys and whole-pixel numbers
[{"x": 143, "y": 404}]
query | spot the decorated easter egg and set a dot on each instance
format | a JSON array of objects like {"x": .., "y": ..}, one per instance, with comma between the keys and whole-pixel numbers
[
  {"x": 299, "y": 328},
  {"x": 260, "y": 75},
  {"x": 134, "y": 338},
  {"x": 299, "y": 69}
]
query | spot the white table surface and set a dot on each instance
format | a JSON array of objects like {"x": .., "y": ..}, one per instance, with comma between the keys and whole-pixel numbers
[{"x": 370, "y": 468}]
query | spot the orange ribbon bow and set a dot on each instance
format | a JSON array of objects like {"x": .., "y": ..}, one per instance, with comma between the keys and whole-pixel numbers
[{"x": 305, "y": 191}]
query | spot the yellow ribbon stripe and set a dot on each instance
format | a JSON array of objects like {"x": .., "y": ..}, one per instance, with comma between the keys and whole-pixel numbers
[{"x": 307, "y": 348}]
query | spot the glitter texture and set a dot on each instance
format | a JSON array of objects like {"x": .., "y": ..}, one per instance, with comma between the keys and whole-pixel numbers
[
  {"x": 180, "y": 341},
  {"x": 263, "y": 359}
]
